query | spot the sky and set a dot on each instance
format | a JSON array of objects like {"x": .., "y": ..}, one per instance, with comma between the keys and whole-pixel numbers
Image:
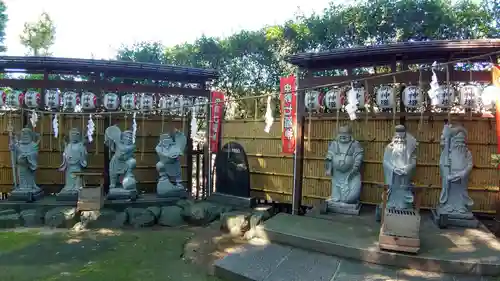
[{"x": 100, "y": 27}]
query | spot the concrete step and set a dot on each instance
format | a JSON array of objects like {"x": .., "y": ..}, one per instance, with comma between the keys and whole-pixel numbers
[{"x": 273, "y": 262}]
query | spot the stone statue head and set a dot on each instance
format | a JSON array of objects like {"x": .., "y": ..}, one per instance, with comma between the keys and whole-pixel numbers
[
  {"x": 26, "y": 136},
  {"x": 399, "y": 135},
  {"x": 344, "y": 134},
  {"x": 127, "y": 137},
  {"x": 458, "y": 136},
  {"x": 74, "y": 136},
  {"x": 166, "y": 140}
]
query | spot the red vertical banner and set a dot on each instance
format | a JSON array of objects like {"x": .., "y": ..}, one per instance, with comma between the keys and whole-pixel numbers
[
  {"x": 216, "y": 111},
  {"x": 288, "y": 98},
  {"x": 495, "y": 79}
]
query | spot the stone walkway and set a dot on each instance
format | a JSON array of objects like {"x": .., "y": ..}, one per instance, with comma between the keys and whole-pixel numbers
[{"x": 273, "y": 262}]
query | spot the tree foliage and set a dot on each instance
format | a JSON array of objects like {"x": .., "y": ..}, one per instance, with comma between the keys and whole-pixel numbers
[
  {"x": 3, "y": 23},
  {"x": 39, "y": 36},
  {"x": 251, "y": 62}
]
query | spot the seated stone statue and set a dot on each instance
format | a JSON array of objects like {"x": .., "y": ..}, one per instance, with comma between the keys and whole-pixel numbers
[
  {"x": 343, "y": 163},
  {"x": 170, "y": 148},
  {"x": 74, "y": 160},
  {"x": 455, "y": 165},
  {"x": 122, "y": 183},
  {"x": 400, "y": 162},
  {"x": 24, "y": 153}
]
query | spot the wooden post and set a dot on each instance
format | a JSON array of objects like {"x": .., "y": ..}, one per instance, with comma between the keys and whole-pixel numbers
[
  {"x": 207, "y": 155},
  {"x": 189, "y": 155},
  {"x": 298, "y": 161}
]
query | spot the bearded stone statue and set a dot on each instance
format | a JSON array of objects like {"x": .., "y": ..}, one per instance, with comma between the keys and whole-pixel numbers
[
  {"x": 343, "y": 162},
  {"x": 400, "y": 162},
  {"x": 455, "y": 166}
]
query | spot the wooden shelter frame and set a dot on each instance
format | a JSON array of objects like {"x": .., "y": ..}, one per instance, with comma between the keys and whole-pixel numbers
[
  {"x": 180, "y": 80},
  {"x": 397, "y": 57}
]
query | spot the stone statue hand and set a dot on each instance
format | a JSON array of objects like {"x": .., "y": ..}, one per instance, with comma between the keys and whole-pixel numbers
[
  {"x": 399, "y": 171},
  {"x": 328, "y": 173},
  {"x": 453, "y": 177}
]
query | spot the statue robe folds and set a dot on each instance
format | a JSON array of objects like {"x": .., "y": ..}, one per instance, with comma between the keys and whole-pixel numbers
[
  {"x": 454, "y": 199},
  {"x": 74, "y": 160},
  {"x": 343, "y": 163},
  {"x": 27, "y": 164},
  {"x": 170, "y": 149},
  {"x": 400, "y": 193}
]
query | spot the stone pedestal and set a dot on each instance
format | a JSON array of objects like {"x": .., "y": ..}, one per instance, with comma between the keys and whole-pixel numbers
[
  {"x": 165, "y": 189},
  {"x": 68, "y": 195},
  {"x": 118, "y": 193},
  {"x": 343, "y": 208},
  {"x": 444, "y": 220},
  {"x": 231, "y": 200},
  {"x": 25, "y": 194},
  {"x": 400, "y": 231}
]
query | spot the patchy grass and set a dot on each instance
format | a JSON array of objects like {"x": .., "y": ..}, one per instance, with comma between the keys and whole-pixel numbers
[{"x": 97, "y": 255}]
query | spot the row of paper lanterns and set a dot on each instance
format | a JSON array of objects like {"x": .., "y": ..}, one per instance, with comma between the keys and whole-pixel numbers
[
  {"x": 69, "y": 101},
  {"x": 469, "y": 96}
]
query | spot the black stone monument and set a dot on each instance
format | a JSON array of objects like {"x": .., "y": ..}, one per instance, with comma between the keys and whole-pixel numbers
[{"x": 232, "y": 176}]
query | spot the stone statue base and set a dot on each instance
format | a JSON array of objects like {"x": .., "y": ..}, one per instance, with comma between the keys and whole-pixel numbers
[
  {"x": 26, "y": 194},
  {"x": 443, "y": 219},
  {"x": 343, "y": 208},
  {"x": 166, "y": 189},
  {"x": 68, "y": 195},
  {"x": 120, "y": 193}
]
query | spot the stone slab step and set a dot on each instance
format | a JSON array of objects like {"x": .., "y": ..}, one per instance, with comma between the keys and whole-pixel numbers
[{"x": 273, "y": 262}]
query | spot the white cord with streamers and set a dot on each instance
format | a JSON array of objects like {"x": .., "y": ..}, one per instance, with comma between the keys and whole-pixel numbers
[
  {"x": 90, "y": 129},
  {"x": 55, "y": 125},
  {"x": 352, "y": 103},
  {"x": 269, "y": 116},
  {"x": 435, "y": 89},
  {"x": 33, "y": 119},
  {"x": 194, "y": 124},
  {"x": 134, "y": 128}
]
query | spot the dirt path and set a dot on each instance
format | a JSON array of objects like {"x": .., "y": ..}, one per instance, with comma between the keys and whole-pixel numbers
[{"x": 208, "y": 245}]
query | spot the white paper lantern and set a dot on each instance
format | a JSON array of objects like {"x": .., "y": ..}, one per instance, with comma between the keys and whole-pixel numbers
[
  {"x": 32, "y": 99},
  {"x": 412, "y": 97},
  {"x": 52, "y": 99},
  {"x": 70, "y": 101},
  {"x": 177, "y": 107},
  {"x": 334, "y": 99},
  {"x": 89, "y": 101},
  {"x": 312, "y": 100},
  {"x": 166, "y": 103},
  {"x": 489, "y": 96},
  {"x": 201, "y": 106},
  {"x": 187, "y": 104},
  {"x": 445, "y": 97},
  {"x": 3, "y": 97},
  {"x": 14, "y": 99},
  {"x": 111, "y": 101},
  {"x": 129, "y": 102},
  {"x": 469, "y": 94},
  {"x": 146, "y": 102},
  {"x": 385, "y": 97},
  {"x": 360, "y": 96}
]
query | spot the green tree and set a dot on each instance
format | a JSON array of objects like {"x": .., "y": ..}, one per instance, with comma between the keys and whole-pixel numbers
[
  {"x": 39, "y": 36},
  {"x": 3, "y": 23}
]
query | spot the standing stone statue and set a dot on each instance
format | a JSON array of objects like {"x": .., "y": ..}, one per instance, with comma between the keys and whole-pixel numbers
[
  {"x": 74, "y": 160},
  {"x": 343, "y": 163},
  {"x": 122, "y": 182},
  {"x": 170, "y": 148},
  {"x": 455, "y": 165},
  {"x": 24, "y": 153},
  {"x": 400, "y": 162}
]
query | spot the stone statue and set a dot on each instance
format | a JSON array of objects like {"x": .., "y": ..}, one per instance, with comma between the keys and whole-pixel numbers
[
  {"x": 74, "y": 160},
  {"x": 24, "y": 156},
  {"x": 400, "y": 162},
  {"x": 455, "y": 165},
  {"x": 122, "y": 182},
  {"x": 343, "y": 163},
  {"x": 170, "y": 148}
]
